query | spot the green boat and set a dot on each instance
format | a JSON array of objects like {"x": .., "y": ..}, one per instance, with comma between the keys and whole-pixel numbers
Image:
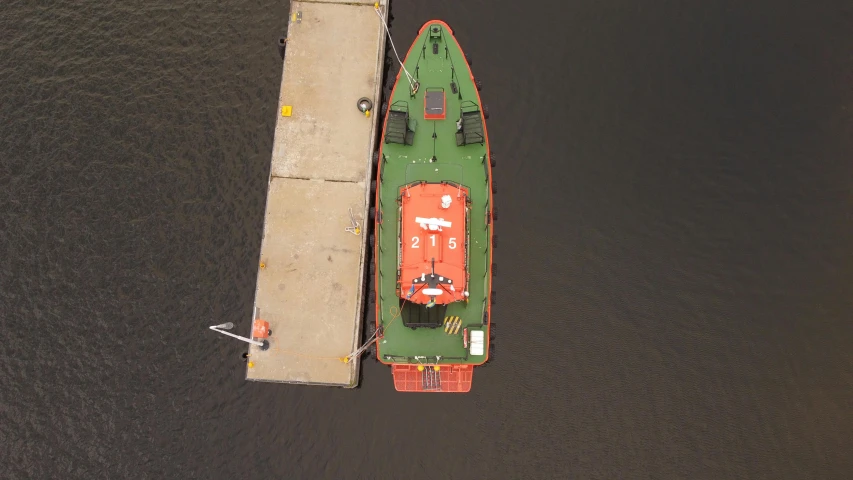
[{"x": 433, "y": 236}]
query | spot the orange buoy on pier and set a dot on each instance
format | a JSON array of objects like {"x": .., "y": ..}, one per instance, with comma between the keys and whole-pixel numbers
[{"x": 260, "y": 328}]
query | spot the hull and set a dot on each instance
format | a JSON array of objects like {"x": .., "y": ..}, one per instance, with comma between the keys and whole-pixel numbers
[{"x": 434, "y": 229}]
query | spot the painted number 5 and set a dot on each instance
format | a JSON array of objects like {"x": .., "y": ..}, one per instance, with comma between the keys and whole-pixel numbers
[{"x": 451, "y": 243}]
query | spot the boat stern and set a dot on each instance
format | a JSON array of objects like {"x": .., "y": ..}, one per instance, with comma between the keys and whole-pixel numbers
[{"x": 433, "y": 378}]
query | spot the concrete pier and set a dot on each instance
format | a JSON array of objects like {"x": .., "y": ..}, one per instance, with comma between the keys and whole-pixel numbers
[{"x": 311, "y": 277}]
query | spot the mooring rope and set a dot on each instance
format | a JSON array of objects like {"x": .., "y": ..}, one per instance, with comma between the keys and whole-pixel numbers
[
  {"x": 374, "y": 337},
  {"x": 411, "y": 79}
]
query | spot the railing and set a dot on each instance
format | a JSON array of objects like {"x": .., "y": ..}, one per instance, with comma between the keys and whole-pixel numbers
[
  {"x": 423, "y": 359},
  {"x": 402, "y": 106},
  {"x": 399, "y": 240},
  {"x": 454, "y": 81},
  {"x": 469, "y": 105},
  {"x": 396, "y": 129}
]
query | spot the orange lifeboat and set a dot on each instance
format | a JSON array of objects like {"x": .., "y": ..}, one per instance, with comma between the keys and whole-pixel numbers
[{"x": 433, "y": 235}]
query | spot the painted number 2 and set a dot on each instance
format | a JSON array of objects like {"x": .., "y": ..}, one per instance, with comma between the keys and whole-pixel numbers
[{"x": 451, "y": 243}]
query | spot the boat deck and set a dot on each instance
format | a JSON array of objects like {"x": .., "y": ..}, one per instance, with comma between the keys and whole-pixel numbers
[
  {"x": 428, "y": 148},
  {"x": 401, "y": 342},
  {"x": 310, "y": 282}
]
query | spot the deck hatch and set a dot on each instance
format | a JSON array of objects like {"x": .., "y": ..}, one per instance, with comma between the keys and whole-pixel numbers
[{"x": 434, "y": 103}]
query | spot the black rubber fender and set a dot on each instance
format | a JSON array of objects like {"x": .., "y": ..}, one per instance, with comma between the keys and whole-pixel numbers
[{"x": 282, "y": 45}]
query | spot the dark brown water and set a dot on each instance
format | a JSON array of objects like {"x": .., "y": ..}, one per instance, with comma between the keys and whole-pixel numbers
[{"x": 675, "y": 269}]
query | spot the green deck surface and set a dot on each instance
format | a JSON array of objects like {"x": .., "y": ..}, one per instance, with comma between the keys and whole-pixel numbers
[{"x": 401, "y": 164}]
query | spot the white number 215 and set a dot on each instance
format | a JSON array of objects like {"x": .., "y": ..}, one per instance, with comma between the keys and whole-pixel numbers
[{"x": 450, "y": 243}]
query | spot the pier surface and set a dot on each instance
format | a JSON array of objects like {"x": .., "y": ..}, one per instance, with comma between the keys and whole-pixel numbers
[{"x": 311, "y": 280}]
